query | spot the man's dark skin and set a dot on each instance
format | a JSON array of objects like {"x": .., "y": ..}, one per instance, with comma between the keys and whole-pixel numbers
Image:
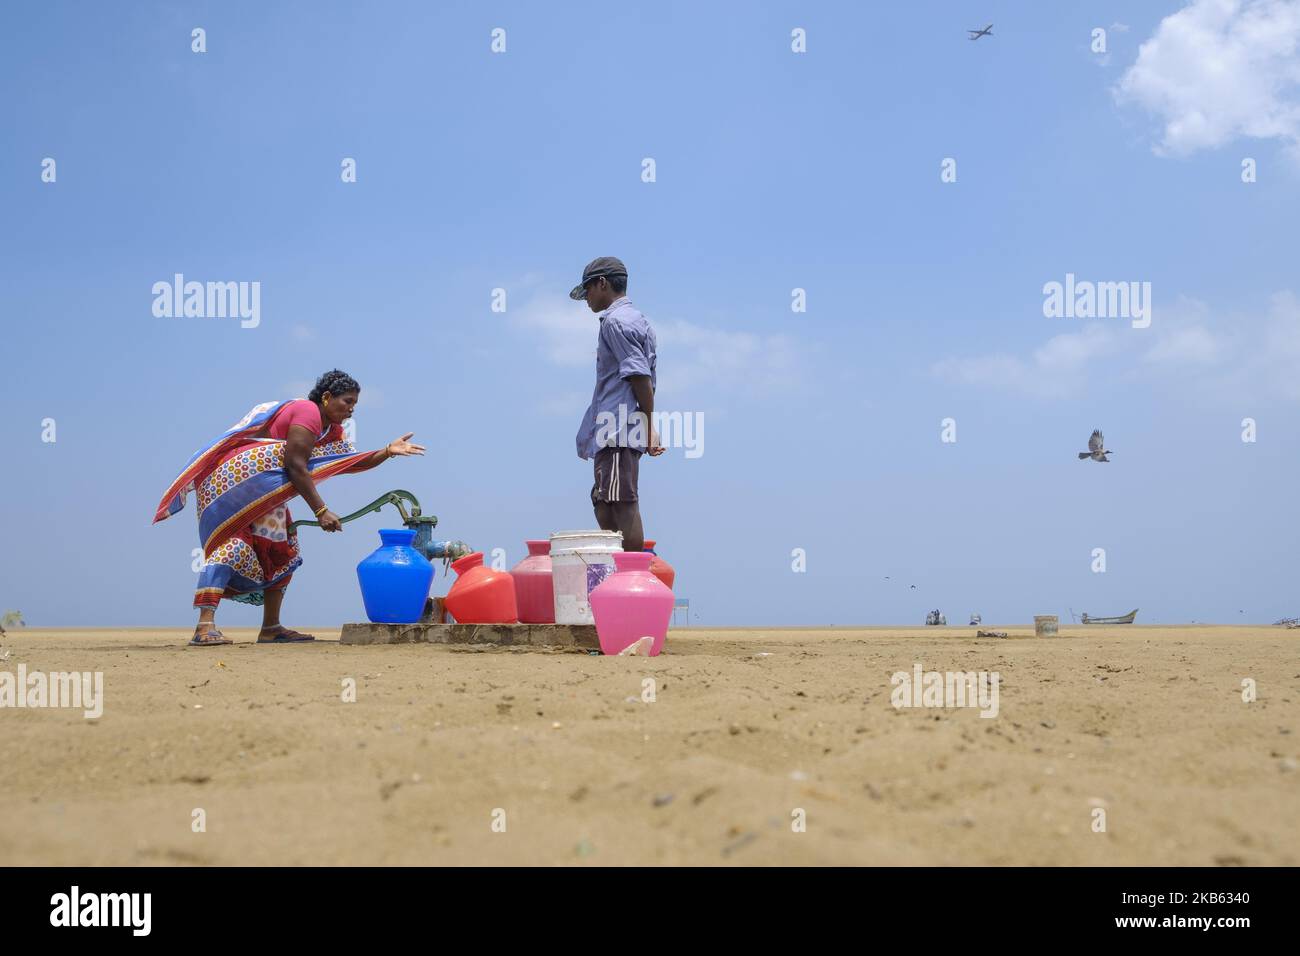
[{"x": 624, "y": 516}]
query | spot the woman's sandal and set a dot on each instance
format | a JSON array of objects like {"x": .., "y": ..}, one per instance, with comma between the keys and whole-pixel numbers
[
  {"x": 212, "y": 632},
  {"x": 286, "y": 636}
]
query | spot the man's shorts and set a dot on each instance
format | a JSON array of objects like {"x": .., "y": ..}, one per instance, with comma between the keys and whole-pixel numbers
[{"x": 616, "y": 475}]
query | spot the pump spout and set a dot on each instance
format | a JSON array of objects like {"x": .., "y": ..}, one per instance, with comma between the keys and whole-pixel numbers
[{"x": 434, "y": 550}]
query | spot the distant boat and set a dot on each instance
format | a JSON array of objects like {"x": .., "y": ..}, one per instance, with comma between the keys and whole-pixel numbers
[
  {"x": 1125, "y": 619},
  {"x": 936, "y": 617}
]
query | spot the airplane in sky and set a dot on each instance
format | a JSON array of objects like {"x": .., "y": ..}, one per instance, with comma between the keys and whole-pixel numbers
[{"x": 976, "y": 34}]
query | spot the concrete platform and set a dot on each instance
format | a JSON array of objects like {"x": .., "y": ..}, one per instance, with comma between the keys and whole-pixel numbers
[{"x": 503, "y": 635}]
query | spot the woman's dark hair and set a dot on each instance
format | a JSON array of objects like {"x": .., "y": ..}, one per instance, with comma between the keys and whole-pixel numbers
[{"x": 335, "y": 382}]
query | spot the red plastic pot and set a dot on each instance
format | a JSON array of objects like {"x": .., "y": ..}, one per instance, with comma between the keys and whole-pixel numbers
[
  {"x": 481, "y": 595},
  {"x": 659, "y": 567}
]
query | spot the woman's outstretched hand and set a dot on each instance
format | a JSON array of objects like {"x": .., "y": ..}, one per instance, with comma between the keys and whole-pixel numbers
[{"x": 403, "y": 446}]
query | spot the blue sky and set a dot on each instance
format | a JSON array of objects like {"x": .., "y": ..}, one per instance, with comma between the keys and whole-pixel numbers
[{"x": 775, "y": 170}]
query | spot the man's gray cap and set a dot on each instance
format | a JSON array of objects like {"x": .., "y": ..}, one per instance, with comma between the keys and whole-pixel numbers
[{"x": 604, "y": 266}]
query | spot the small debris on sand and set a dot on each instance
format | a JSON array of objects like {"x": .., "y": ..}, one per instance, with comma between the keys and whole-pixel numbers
[{"x": 742, "y": 841}]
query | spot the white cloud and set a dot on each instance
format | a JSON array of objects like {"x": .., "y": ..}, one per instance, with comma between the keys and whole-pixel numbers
[
  {"x": 1188, "y": 348},
  {"x": 1056, "y": 369},
  {"x": 704, "y": 355},
  {"x": 1219, "y": 70},
  {"x": 1252, "y": 356},
  {"x": 1183, "y": 338},
  {"x": 1192, "y": 346},
  {"x": 566, "y": 329},
  {"x": 1270, "y": 352},
  {"x": 692, "y": 357}
]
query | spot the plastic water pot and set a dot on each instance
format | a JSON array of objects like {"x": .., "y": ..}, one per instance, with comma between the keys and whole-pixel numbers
[
  {"x": 395, "y": 579},
  {"x": 481, "y": 595},
  {"x": 580, "y": 560},
  {"x": 534, "y": 590},
  {"x": 631, "y": 604},
  {"x": 659, "y": 567}
]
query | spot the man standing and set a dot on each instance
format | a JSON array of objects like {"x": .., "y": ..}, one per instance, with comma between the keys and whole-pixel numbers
[{"x": 619, "y": 424}]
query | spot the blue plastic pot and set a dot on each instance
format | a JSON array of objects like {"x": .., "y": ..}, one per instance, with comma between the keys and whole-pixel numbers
[{"x": 395, "y": 579}]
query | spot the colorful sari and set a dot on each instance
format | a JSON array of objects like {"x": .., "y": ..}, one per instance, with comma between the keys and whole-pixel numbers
[{"x": 242, "y": 490}]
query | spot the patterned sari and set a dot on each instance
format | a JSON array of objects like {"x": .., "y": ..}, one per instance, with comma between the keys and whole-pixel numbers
[{"x": 242, "y": 492}]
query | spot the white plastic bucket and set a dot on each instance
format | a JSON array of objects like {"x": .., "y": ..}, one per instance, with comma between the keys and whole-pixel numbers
[{"x": 579, "y": 561}]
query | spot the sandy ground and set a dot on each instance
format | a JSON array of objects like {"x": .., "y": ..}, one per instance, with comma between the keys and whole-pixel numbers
[{"x": 747, "y": 728}]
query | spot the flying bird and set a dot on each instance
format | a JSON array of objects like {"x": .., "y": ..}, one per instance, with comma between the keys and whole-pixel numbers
[
  {"x": 1097, "y": 449},
  {"x": 976, "y": 34}
]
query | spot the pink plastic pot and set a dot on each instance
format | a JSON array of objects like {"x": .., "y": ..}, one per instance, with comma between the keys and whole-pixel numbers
[
  {"x": 631, "y": 604},
  {"x": 534, "y": 590}
]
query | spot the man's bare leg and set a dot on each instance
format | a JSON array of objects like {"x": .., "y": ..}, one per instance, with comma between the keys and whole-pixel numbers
[{"x": 622, "y": 516}]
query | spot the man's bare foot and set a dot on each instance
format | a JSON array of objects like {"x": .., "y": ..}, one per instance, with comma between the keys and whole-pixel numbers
[
  {"x": 206, "y": 633},
  {"x": 282, "y": 635}
]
